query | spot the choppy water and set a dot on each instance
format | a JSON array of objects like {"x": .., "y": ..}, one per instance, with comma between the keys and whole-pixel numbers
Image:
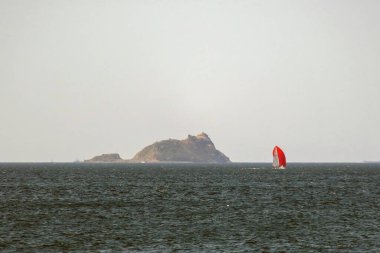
[{"x": 189, "y": 208}]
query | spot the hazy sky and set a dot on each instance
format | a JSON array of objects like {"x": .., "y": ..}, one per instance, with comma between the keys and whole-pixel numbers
[{"x": 81, "y": 78}]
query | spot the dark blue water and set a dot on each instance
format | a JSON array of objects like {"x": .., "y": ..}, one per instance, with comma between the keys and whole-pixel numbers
[{"x": 189, "y": 208}]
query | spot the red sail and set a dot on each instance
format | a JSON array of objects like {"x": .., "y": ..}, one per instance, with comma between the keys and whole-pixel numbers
[{"x": 281, "y": 156}]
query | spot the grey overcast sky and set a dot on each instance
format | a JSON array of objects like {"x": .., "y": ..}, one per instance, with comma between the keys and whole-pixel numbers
[{"x": 81, "y": 78}]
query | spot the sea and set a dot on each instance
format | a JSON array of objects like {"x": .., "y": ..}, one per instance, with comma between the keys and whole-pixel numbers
[{"x": 237, "y": 207}]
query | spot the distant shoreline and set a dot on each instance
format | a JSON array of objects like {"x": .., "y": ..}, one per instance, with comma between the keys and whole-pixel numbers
[{"x": 185, "y": 163}]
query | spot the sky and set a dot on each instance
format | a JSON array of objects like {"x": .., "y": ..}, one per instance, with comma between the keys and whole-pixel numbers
[{"x": 86, "y": 77}]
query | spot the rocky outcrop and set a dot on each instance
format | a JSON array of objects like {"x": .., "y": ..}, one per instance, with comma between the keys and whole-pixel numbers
[
  {"x": 197, "y": 149},
  {"x": 110, "y": 158}
]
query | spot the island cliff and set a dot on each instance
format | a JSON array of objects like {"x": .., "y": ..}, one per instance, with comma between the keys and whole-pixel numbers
[
  {"x": 194, "y": 149},
  {"x": 197, "y": 149}
]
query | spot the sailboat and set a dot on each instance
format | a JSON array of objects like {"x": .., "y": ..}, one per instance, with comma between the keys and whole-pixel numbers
[{"x": 279, "y": 159}]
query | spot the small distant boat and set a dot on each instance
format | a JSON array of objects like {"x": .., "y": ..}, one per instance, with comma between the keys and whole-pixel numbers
[{"x": 279, "y": 159}]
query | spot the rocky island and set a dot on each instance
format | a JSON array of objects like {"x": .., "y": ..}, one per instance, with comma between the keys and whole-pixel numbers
[
  {"x": 194, "y": 149},
  {"x": 110, "y": 158}
]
